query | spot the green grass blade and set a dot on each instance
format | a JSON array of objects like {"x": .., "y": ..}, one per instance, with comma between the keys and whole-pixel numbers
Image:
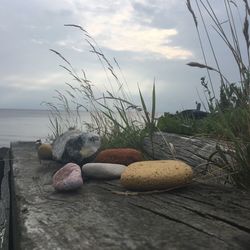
[
  {"x": 153, "y": 105},
  {"x": 144, "y": 107}
]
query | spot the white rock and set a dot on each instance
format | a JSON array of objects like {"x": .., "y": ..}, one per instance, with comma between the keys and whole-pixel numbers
[{"x": 103, "y": 170}]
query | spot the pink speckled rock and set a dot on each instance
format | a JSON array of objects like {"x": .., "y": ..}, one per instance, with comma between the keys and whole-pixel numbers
[{"x": 68, "y": 178}]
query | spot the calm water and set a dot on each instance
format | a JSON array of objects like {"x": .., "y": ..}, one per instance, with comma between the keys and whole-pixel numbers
[
  {"x": 26, "y": 125},
  {"x": 23, "y": 125}
]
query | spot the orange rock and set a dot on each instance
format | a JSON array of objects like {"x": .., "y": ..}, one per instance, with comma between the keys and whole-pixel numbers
[
  {"x": 156, "y": 175},
  {"x": 124, "y": 156}
]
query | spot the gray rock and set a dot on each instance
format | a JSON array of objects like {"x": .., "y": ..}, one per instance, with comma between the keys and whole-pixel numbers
[
  {"x": 76, "y": 146},
  {"x": 103, "y": 170}
]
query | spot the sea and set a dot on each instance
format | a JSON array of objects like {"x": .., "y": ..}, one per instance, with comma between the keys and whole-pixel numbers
[
  {"x": 24, "y": 125},
  {"x": 30, "y": 125}
]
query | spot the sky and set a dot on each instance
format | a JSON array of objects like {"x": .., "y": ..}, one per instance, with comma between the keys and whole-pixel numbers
[{"x": 151, "y": 41}]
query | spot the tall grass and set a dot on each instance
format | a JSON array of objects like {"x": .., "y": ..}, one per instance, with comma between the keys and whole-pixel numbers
[
  {"x": 233, "y": 106},
  {"x": 113, "y": 114}
]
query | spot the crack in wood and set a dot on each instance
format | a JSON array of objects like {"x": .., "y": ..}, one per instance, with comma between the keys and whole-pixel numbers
[
  {"x": 178, "y": 221},
  {"x": 208, "y": 215},
  {"x": 234, "y": 224},
  {"x": 196, "y": 154},
  {"x": 193, "y": 199},
  {"x": 179, "y": 204},
  {"x": 241, "y": 206}
]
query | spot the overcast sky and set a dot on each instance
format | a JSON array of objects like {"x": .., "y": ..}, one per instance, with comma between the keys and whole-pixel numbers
[{"x": 149, "y": 39}]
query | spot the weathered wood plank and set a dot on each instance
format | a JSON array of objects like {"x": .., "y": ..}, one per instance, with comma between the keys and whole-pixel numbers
[
  {"x": 4, "y": 198},
  {"x": 200, "y": 216},
  {"x": 193, "y": 150}
]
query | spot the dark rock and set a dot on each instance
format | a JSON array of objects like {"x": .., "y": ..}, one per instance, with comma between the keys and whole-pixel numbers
[{"x": 76, "y": 146}]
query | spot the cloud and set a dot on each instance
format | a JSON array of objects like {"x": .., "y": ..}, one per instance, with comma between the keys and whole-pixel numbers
[
  {"x": 73, "y": 44},
  {"x": 26, "y": 82},
  {"x": 122, "y": 31},
  {"x": 146, "y": 40},
  {"x": 146, "y": 37},
  {"x": 115, "y": 26},
  {"x": 38, "y": 41}
]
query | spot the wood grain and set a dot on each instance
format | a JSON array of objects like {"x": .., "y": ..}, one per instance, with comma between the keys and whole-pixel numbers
[{"x": 199, "y": 216}]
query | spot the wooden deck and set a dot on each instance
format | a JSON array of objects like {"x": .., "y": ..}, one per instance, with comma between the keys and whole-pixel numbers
[
  {"x": 200, "y": 216},
  {"x": 4, "y": 198}
]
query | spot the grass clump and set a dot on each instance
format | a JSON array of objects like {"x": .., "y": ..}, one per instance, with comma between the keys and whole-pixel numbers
[
  {"x": 230, "y": 113},
  {"x": 213, "y": 126},
  {"x": 174, "y": 123},
  {"x": 113, "y": 114}
]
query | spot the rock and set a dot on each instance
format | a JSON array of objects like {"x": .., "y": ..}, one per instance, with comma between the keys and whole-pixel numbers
[
  {"x": 156, "y": 175},
  {"x": 193, "y": 114},
  {"x": 68, "y": 178},
  {"x": 76, "y": 146},
  {"x": 124, "y": 156},
  {"x": 103, "y": 170},
  {"x": 44, "y": 152}
]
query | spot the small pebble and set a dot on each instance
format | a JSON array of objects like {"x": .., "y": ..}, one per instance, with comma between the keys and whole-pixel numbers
[{"x": 45, "y": 152}]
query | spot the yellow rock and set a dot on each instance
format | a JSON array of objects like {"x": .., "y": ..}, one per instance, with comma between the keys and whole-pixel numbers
[
  {"x": 45, "y": 152},
  {"x": 156, "y": 175}
]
